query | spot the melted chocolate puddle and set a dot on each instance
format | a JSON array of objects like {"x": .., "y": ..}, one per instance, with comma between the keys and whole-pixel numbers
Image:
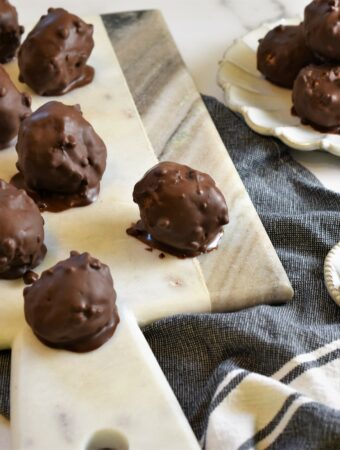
[
  {"x": 138, "y": 231},
  {"x": 47, "y": 201}
]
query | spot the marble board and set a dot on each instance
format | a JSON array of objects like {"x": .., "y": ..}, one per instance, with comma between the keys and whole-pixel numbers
[
  {"x": 246, "y": 270},
  {"x": 237, "y": 280},
  {"x": 110, "y": 398}
]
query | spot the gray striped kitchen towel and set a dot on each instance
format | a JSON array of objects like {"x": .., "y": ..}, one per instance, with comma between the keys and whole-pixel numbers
[
  {"x": 266, "y": 377},
  {"x": 269, "y": 376}
]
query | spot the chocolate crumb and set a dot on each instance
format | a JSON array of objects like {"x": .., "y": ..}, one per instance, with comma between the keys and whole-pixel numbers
[{"x": 30, "y": 277}]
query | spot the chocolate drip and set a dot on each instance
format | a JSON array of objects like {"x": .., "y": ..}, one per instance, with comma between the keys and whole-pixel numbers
[{"x": 53, "y": 202}]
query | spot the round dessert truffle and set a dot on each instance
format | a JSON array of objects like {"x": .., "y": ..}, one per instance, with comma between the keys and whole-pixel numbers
[
  {"x": 282, "y": 53},
  {"x": 316, "y": 97},
  {"x": 21, "y": 233},
  {"x": 14, "y": 108},
  {"x": 181, "y": 208},
  {"x": 52, "y": 59},
  {"x": 322, "y": 32},
  {"x": 10, "y": 31},
  {"x": 72, "y": 306},
  {"x": 59, "y": 151}
]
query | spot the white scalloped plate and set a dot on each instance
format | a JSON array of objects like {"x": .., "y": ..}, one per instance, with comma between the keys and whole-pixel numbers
[
  {"x": 266, "y": 108},
  {"x": 332, "y": 273}
]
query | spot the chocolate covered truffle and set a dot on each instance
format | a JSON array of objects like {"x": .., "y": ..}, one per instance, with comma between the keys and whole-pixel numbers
[
  {"x": 52, "y": 59},
  {"x": 316, "y": 97},
  {"x": 14, "y": 108},
  {"x": 180, "y": 208},
  {"x": 10, "y": 31},
  {"x": 60, "y": 154},
  {"x": 73, "y": 305},
  {"x": 21, "y": 233},
  {"x": 322, "y": 32},
  {"x": 282, "y": 53}
]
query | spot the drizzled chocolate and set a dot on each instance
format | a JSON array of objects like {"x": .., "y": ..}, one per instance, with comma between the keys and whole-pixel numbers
[
  {"x": 21, "y": 233},
  {"x": 10, "y": 31},
  {"x": 282, "y": 53},
  {"x": 61, "y": 159},
  {"x": 73, "y": 305},
  {"x": 316, "y": 97},
  {"x": 14, "y": 108},
  {"x": 322, "y": 31},
  {"x": 182, "y": 211},
  {"x": 52, "y": 59}
]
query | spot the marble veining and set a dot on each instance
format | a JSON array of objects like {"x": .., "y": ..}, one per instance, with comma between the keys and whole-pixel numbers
[
  {"x": 245, "y": 270},
  {"x": 272, "y": 8}
]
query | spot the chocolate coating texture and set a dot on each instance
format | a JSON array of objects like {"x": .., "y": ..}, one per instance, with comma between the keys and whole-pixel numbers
[
  {"x": 14, "y": 108},
  {"x": 322, "y": 31},
  {"x": 10, "y": 31},
  {"x": 73, "y": 305},
  {"x": 52, "y": 59},
  {"x": 316, "y": 96},
  {"x": 282, "y": 53},
  {"x": 181, "y": 207},
  {"x": 21, "y": 233},
  {"x": 59, "y": 151}
]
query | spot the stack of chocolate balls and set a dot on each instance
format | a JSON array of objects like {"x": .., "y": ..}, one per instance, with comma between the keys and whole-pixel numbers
[{"x": 306, "y": 58}]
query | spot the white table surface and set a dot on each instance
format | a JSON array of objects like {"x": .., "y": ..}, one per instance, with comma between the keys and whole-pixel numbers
[{"x": 203, "y": 29}]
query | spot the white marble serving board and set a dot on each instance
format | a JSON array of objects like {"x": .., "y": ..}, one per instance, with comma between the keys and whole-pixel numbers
[
  {"x": 266, "y": 108},
  {"x": 152, "y": 287},
  {"x": 115, "y": 397}
]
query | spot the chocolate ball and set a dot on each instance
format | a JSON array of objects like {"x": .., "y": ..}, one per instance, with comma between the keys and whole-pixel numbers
[
  {"x": 21, "y": 233},
  {"x": 72, "y": 306},
  {"x": 282, "y": 53},
  {"x": 316, "y": 96},
  {"x": 52, "y": 59},
  {"x": 59, "y": 151},
  {"x": 181, "y": 207},
  {"x": 14, "y": 108},
  {"x": 322, "y": 32},
  {"x": 10, "y": 31}
]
